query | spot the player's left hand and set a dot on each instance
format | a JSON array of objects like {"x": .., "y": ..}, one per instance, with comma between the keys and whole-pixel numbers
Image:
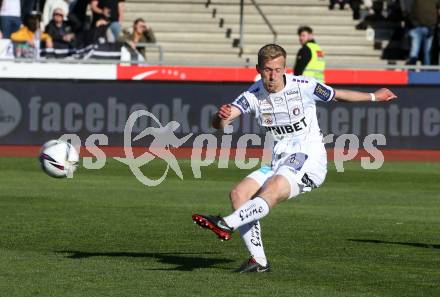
[{"x": 384, "y": 95}]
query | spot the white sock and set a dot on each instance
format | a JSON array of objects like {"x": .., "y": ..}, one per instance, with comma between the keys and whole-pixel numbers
[
  {"x": 252, "y": 210},
  {"x": 251, "y": 234}
]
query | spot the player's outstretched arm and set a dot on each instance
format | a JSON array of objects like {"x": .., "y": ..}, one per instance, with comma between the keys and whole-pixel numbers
[
  {"x": 355, "y": 96},
  {"x": 225, "y": 115}
]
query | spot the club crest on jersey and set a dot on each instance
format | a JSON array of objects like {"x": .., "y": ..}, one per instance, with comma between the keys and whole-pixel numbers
[
  {"x": 322, "y": 92},
  {"x": 296, "y": 111}
]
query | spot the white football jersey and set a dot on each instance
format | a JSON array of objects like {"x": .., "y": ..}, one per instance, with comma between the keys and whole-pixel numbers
[{"x": 290, "y": 114}]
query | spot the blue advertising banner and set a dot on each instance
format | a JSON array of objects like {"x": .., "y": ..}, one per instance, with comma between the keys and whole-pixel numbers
[{"x": 33, "y": 111}]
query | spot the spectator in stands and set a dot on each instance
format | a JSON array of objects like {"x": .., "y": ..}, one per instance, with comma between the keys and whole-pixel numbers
[
  {"x": 394, "y": 31},
  {"x": 355, "y": 6},
  {"x": 113, "y": 10},
  {"x": 6, "y": 48},
  {"x": 50, "y": 6},
  {"x": 78, "y": 17},
  {"x": 406, "y": 5},
  {"x": 72, "y": 4},
  {"x": 60, "y": 30},
  {"x": 102, "y": 42},
  {"x": 310, "y": 58},
  {"x": 375, "y": 17},
  {"x": 100, "y": 33},
  {"x": 141, "y": 33},
  {"x": 27, "y": 7},
  {"x": 10, "y": 17},
  {"x": 332, "y": 4},
  {"x": 394, "y": 11},
  {"x": 423, "y": 18},
  {"x": 29, "y": 37}
]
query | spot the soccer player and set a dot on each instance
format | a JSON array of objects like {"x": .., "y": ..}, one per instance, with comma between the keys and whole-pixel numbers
[{"x": 283, "y": 104}]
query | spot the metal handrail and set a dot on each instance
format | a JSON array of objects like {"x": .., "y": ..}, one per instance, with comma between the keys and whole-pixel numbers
[
  {"x": 266, "y": 20},
  {"x": 89, "y": 61},
  {"x": 155, "y": 45},
  {"x": 385, "y": 67},
  {"x": 433, "y": 68}
]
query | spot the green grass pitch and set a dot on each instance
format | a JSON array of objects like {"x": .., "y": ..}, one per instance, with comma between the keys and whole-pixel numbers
[{"x": 102, "y": 233}]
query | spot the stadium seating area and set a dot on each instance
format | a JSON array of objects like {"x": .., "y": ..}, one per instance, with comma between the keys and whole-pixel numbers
[{"x": 197, "y": 32}]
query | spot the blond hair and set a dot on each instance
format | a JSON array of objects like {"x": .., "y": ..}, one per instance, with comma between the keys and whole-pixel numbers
[{"x": 269, "y": 52}]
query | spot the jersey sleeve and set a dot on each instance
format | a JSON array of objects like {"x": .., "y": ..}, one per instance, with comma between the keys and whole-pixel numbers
[
  {"x": 320, "y": 91},
  {"x": 244, "y": 104}
]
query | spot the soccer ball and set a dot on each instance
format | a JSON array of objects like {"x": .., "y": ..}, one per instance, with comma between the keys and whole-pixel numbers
[{"x": 58, "y": 158}]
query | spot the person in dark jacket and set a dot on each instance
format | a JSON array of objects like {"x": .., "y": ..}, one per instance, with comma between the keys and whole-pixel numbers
[
  {"x": 423, "y": 18},
  {"x": 60, "y": 30}
]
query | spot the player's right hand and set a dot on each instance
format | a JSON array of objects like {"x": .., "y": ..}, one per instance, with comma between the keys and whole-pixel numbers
[
  {"x": 384, "y": 95},
  {"x": 224, "y": 111}
]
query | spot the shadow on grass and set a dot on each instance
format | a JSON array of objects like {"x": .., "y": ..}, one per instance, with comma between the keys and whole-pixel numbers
[
  {"x": 414, "y": 244},
  {"x": 184, "y": 263}
]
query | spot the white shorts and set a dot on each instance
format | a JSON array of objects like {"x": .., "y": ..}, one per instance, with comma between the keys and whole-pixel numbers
[{"x": 304, "y": 170}]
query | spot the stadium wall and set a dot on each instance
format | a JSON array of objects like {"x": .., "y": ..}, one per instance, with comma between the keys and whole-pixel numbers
[{"x": 45, "y": 106}]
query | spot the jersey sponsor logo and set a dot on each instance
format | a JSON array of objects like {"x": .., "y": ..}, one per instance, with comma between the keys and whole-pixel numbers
[
  {"x": 288, "y": 129},
  {"x": 322, "y": 92},
  {"x": 278, "y": 100},
  {"x": 265, "y": 103},
  {"x": 242, "y": 101},
  {"x": 266, "y": 106},
  {"x": 291, "y": 92},
  {"x": 295, "y": 98}
]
